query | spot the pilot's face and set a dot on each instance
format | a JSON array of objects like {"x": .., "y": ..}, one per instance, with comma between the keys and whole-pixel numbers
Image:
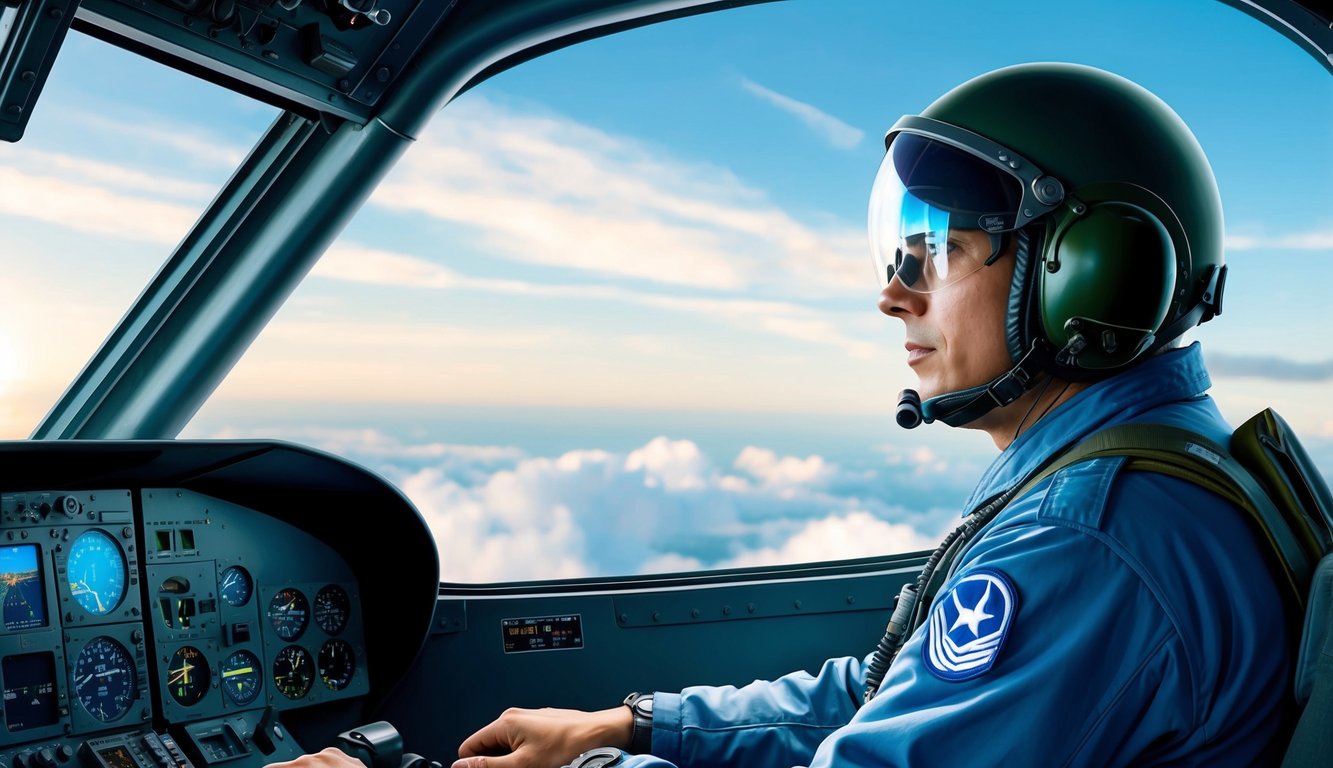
[{"x": 955, "y": 336}]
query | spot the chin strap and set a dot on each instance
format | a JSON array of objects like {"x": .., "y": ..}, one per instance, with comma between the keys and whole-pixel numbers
[{"x": 959, "y": 408}]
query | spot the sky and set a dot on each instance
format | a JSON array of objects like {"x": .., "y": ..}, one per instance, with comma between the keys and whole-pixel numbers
[{"x": 614, "y": 311}]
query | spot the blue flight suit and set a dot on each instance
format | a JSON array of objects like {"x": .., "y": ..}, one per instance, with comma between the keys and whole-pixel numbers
[{"x": 1104, "y": 618}]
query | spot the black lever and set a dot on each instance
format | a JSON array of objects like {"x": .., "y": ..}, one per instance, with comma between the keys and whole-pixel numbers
[{"x": 379, "y": 745}]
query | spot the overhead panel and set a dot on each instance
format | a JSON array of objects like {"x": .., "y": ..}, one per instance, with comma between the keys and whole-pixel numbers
[{"x": 336, "y": 57}]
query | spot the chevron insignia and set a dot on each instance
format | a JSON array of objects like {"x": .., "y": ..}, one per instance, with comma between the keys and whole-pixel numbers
[{"x": 968, "y": 625}]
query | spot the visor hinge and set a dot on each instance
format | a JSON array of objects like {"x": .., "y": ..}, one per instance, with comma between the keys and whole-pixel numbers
[
  {"x": 1212, "y": 292},
  {"x": 1076, "y": 206}
]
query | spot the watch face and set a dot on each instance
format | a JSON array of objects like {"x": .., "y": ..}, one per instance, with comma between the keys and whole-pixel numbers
[{"x": 640, "y": 704}]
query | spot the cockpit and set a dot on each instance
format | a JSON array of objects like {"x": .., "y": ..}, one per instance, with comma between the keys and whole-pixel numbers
[
  {"x": 182, "y": 602},
  {"x": 174, "y": 603}
]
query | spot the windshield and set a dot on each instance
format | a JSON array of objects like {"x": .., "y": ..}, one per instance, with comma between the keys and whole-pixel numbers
[
  {"x": 614, "y": 313},
  {"x": 119, "y": 159}
]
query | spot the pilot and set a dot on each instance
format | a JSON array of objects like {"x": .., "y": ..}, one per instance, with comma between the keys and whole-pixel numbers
[{"x": 1046, "y": 233}]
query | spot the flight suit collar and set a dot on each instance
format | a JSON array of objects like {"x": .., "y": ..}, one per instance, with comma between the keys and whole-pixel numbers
[{"x": 1171, "y": 376}]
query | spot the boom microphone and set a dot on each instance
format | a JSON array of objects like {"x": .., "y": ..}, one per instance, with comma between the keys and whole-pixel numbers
[{"x": 909, "y": 409}]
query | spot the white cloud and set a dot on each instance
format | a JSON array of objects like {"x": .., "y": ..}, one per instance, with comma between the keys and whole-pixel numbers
[
  {"x": 376, "y": 443},
  {"x": 92, "y": 208},
  {"x": 833, "y": 130},
  {"x": 672, "y": 563},
  {"x": 481, "y": 538},
  {"x": 673, "y": 464},
  {"x": 373, "y": 266},
  {"x": 355, "y": 263},
  {"x": 837, "y": 537},
  {"x": 1316, "y": 240},
  {"x": 110, "y": 175},
  {"x": 501, "y": 515},
  {"x": 547, "y": 190},
  {"x": 784, "y": 472}
]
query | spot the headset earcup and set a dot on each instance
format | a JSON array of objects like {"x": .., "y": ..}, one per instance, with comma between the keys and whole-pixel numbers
[{"x": 1107, "y": 277}]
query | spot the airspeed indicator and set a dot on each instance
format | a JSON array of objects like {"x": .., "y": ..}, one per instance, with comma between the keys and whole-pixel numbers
[{"x": 289, "y": 613}]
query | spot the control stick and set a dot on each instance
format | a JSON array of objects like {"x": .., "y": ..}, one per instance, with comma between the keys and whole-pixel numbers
[{"x": 379, "y": 745}]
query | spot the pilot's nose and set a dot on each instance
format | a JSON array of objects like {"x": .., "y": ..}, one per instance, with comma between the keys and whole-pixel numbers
[{"x": 895, "y": 300}]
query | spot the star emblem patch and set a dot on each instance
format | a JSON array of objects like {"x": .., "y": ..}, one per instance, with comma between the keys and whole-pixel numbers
[{"x": 968, "y": 625}]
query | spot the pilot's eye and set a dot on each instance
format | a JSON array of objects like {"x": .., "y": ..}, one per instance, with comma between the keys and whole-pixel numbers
[{"x": 958, "y": 249}]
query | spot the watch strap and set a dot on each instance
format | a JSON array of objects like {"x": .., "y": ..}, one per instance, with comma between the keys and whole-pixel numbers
[{"x": 641, "y": 736}]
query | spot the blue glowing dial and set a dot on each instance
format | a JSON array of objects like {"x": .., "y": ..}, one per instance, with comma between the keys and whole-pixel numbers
[
  {"x": 241, "y": 677},
  {"x": 96, "y": 570},
  {"x": 104, "y": 679},
  {"x": 236, "y": 586}
]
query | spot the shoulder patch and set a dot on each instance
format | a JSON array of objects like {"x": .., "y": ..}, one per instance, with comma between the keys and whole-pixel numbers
[{"x": 968, "y": 625}]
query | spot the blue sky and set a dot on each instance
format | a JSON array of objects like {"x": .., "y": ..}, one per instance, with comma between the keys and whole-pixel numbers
[{"x": 614, "y": 311}]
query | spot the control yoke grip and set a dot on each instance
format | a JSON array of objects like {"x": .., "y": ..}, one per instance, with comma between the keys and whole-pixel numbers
[{"x": 379, "y": 745}]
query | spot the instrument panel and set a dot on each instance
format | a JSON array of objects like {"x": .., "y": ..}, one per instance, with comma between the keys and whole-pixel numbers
[{"x": 163, "y": 628}]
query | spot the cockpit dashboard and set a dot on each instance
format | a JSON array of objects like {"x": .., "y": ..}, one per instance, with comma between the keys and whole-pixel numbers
[{"x": 173, "y": 604}]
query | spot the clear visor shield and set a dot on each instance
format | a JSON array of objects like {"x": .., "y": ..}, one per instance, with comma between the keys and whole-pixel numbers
[{"x": 927, "y": 194}]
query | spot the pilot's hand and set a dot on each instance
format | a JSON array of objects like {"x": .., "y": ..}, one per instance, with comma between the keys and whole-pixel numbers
[
  {"x": 543, "y": 738},
  {"x": 330, "y": 757}
]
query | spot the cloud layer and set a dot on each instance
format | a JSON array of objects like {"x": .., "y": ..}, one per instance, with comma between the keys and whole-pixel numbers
[
  {"x": 499, "y": 514},
  {"x": 543, "y": 189},
  {"x": 1269, "y": 367}
]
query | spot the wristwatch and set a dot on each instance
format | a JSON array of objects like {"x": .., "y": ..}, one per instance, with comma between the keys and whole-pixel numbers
[
  {"x": 602, "y": 757},
  {"x": 641, "y": 738}
]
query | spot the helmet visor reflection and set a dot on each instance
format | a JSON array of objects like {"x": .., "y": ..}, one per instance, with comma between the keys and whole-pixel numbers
[{"x": 923, "y": 189}]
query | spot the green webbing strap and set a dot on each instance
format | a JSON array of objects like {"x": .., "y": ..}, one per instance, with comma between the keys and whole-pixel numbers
[{"x": 1191, "y": 457}]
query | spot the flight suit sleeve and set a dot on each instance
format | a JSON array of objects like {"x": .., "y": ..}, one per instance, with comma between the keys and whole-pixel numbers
[{"x": 779, "y": 722}]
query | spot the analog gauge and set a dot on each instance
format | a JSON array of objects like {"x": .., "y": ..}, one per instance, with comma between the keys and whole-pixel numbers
[
  {"x": 241, "y": 677},
  {"x": 337, "y": 664},
  {"x": 289, "y": 613},
  {"x": 331, "y": 609},
  {"x": 96, "y": 570},
  {"x": 293, "y": 671},
  {"x": 187, "y": 676},
  {"x": 235, "y": 586},
  {"x": 104, "y": 679}
]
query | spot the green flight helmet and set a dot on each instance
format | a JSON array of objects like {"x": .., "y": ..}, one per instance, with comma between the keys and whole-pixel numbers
[{"x": 1106, "y": 193}]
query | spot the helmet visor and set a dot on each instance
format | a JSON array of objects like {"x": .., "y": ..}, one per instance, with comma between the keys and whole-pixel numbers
[{"x": 930, "y": 185}]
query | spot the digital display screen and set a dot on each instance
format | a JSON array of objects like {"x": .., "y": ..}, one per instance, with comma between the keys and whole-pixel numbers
[
  {"x": 30, "y": 690},
  {"x": 117, "y": 757},
  {"x": 545, "y": 633},
  {"x": 21, "y": 594}
]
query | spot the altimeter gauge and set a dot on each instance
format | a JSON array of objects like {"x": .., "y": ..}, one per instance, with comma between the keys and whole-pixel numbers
[
  {"x": 337, "y": 664},
  {"x": 293, "y": 672},
  {"x": 104, "y": 679}
]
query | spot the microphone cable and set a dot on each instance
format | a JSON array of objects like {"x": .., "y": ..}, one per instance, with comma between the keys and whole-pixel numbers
[{"x": 914, "y": 599}]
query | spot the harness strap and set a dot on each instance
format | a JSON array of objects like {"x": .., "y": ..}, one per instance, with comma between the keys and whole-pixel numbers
[{"x": 1188, "y": 456}]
